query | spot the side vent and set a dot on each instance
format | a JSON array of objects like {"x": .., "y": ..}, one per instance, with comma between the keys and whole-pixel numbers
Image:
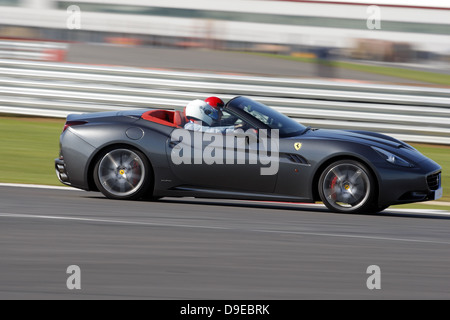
[{"x": 296, "y": 158}]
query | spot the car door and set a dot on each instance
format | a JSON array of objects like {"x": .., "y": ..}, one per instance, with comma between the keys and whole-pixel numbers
[{"x": 231, "y": 162}]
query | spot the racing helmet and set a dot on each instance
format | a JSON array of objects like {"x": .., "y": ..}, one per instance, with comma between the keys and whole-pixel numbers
[
  {"x": 200, "y": 110},
  {"x": 215, "y": 102}
]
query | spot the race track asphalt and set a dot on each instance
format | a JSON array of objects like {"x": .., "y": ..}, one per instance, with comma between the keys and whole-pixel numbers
[{"x": 209, "y": 249}]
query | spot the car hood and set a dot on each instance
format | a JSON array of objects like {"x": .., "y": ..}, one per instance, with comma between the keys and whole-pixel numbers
[
  {"x": 363, "y": 137},
  {"x": 369, "y": 139}
]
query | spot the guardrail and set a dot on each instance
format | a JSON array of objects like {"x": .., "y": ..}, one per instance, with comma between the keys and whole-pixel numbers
[
  {"x": 33, "y": 50},
  {"x": 411, "y": 113}
]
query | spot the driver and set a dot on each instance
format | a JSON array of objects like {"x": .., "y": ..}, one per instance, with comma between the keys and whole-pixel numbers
[
  {"x": 201, "y": 116},
  {"x": 218, "y": 104}
]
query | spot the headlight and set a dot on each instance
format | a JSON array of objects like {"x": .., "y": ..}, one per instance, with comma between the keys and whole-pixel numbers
[{"x": 392, "y": 158}]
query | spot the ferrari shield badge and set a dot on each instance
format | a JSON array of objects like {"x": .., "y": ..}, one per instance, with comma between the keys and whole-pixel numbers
[{"x": 297, "y": 146}]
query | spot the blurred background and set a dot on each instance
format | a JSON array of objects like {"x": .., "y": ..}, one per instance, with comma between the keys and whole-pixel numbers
[{"x": 413, "y": 34}]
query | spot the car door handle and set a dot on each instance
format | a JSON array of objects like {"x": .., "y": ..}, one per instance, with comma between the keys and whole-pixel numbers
[{"x": 173, "y": 144}]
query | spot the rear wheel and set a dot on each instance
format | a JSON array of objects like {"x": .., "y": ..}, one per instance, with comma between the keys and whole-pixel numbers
[
  {"x": 123, "y": 173},
  {"x": 347, "y": 186}
]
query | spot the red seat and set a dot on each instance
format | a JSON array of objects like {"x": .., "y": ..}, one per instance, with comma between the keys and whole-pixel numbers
[
  {"x": 179, "y": 119},
  {"x": 164, "y": 117}
]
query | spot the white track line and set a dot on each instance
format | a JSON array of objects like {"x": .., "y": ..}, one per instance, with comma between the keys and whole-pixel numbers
[
  {"x": 150, "y": 224},
  {"x": 37, "y": 186},
  {"x": 420, "y": 211}
]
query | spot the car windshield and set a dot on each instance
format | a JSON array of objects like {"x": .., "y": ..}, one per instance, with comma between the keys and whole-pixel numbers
[{"x": 269, "y": 117}]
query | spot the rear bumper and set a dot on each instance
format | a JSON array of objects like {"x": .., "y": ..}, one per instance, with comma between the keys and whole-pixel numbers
[
  {"x": 61, "y": 171},
  {"x": 73, "y": 162}
]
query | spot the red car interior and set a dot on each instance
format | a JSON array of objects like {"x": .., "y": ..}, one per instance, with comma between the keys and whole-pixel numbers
[{"x": 166, "y": 117}]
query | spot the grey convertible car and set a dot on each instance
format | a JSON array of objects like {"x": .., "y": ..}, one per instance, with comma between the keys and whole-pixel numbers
[{"x": 148, "y": 154}]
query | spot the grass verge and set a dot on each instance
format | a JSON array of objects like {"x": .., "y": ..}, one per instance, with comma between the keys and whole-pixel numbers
[
  {"x": 402, "y": 73},
  {"x": 416, "y": 75},
  {"x": 30, "y": 145},
  {"x": 28, "y": 149}
]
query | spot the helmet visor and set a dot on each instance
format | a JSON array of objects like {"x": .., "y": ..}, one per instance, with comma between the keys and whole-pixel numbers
[{"x": 212, "y": 113}]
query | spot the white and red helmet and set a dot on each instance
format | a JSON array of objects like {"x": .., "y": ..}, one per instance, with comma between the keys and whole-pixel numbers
[{"x": 200, "y": 110}]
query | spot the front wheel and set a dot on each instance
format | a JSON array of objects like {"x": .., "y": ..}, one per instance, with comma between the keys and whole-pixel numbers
[
  {"x": 347, "y": 186},
  {"x": 122, "y": 173}
]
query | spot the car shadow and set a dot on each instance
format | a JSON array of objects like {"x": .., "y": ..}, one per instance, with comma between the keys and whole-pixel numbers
[
  {"x": 388, "y": 213},
  {"x": 246, "y": 204},
  {"x": 415, "y": 215},
  {"x": 303, "y": 207}
]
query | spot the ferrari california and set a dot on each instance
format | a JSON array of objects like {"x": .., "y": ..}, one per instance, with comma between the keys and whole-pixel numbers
[{"x": 148, "y": 154}]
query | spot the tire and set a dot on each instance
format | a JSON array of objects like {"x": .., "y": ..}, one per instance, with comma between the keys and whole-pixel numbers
[
  {"x": 123, "y": 173},
  {"x": 347, "y": 186}
]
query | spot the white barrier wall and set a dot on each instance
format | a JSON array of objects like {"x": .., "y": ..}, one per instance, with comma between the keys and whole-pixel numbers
[{"x": 251, "y": 20}]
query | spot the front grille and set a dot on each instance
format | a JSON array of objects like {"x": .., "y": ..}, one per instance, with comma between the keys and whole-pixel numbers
[{"x": 434, "y": 181}]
